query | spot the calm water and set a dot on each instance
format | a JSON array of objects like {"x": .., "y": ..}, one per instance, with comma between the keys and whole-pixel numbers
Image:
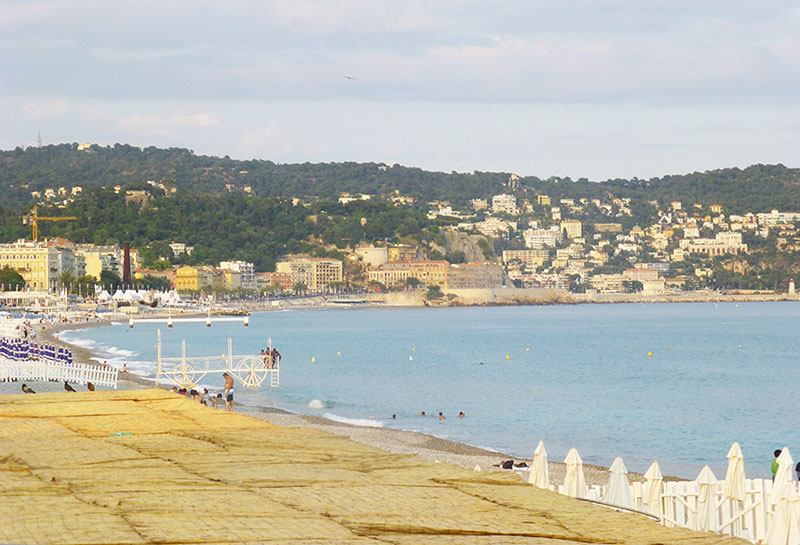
[{"x": 575, "y": 375}]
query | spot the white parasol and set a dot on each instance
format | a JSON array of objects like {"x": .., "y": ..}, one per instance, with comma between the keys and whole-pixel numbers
[
  {"x": 706, "y": 516},
  {"x": 618, "y": 491},
  {"x": 539, "y": 475},
  {"x": 654, "y": 485},
  {"x": 574, "y": 481}
]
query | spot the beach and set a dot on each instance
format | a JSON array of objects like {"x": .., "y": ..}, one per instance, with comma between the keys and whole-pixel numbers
[
  {"x": 151, "y": 466},
  {"x": 428, "y": 447}
]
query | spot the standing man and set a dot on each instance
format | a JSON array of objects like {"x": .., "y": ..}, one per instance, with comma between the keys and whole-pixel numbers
[{"x": 228, "y": 390}]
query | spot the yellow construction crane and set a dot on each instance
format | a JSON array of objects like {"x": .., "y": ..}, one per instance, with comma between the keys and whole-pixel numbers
[{"x": 33, "y": 218}]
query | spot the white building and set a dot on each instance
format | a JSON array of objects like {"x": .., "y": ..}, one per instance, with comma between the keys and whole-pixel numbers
[
  {"x": 504, "y": 204},
  {"x": 245, "y": 269},
  {"x": 540, "y": 238}
]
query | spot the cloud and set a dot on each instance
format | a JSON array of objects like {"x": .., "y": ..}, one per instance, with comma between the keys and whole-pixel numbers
[
  {"x": 46, "y": 108},
  {"x": 167, "y": 125}
]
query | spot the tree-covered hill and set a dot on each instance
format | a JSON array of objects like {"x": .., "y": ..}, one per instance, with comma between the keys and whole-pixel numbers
[{"x": 756, "y": 188}]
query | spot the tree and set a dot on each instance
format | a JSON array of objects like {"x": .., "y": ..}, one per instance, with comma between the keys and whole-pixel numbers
[
  {"x": 412, "y": 282},
  {"x": 300, "y": 288},
  {"x": 11, "y": 280},
  {"x": 456, "y": 257},
  {"x": 110, "y": 280},
  {"x": 155, "y": 283},
  {"x": 434, "y": 292}
]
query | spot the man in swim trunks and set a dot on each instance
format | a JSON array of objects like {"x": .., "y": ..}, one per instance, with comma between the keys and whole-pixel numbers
[{"x": 228, "y": 390}]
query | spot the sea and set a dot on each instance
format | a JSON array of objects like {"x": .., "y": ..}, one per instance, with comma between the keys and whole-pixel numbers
[{"x": 674, "y": 382}]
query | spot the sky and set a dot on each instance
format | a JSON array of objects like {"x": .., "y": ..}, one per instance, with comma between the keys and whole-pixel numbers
[{"x": 582, "y": 88}]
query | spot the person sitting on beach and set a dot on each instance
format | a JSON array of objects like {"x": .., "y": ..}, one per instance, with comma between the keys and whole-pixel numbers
[
  {"x": 228, "y": 391},
  {"x": 441, "y": 416},
  {"x": 124, "y": 367},
  {"x": 775, "y": 464}
]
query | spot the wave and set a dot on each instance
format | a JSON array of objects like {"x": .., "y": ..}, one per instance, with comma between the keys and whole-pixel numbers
[
  {"x": 354, "y": 421},
  {"x": 317, "y": 404}
]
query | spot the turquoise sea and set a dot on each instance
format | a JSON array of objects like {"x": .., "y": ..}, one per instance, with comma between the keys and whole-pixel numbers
[{"x": 570, "y": 375}]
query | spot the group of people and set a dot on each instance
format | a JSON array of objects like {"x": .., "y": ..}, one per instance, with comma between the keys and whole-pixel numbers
[
  {"x": 271, "y": 358},
  {"x": 441, "y": 416},
  {"x": 198, "y": 393}
]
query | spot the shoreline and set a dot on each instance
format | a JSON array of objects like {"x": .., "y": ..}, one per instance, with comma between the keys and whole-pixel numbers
[{"x": 396, "y": 441}]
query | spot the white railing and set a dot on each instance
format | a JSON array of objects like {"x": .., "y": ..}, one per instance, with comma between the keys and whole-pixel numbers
[{"x": 45, "y": 370}]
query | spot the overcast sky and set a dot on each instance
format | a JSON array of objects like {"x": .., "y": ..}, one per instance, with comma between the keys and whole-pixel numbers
[{"x": 580, "y": 88}]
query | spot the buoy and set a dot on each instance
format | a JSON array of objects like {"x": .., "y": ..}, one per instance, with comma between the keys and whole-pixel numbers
[
  {"x": 413, "y": 349},
  {"x": 208, "y": 323},
  {"x": 649, "y": 354},
  {"x": 169, "y": 322},
  {"x": 411, "y": 358},
  {"x": 508, "y": 356},
  {"x": 668, "y": 349},
  {"x": 372, "y": 417},
  {"x": 338, "y": 353},
  {"x": 313, "y": 360},
  {"x": 246, "y": 321},
  {"x": 740, "y": 346},
  {"x": 130, "y": 323},
  {"x": 527, "y": 350}
]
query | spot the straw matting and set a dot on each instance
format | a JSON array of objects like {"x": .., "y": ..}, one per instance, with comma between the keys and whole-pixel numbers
[{"x": 184, "y": 473}]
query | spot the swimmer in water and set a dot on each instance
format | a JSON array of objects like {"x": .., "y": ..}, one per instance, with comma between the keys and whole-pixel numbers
[
  {"x": 421, "y": 414},
  {"x": 441, "y": 416},
  {"x": 461, "y": 414}
]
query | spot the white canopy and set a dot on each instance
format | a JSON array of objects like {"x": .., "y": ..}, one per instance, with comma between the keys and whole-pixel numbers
[
  {"x": 574, "y": 480},
  {"x": 539, "y": 475},
  {"x": 618, "y": 491},
  {"x": 734, "y": 478},
  {"x": 654, "y": 481}
]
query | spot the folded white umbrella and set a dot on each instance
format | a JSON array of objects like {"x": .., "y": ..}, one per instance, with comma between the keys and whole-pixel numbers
[
  {"x": 784, "y": 528},
  {"x": 783, "y": 478},
  {"x": 539, "y": 475},
  {"x": 574, "y": 480},
  {"x": 618, "y": 490},
  {"x": 706, "y": 500},
  {"x": 654, "y": 485}
]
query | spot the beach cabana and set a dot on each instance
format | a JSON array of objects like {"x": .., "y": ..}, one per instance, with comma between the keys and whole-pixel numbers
[
  {"x": 784, "y": 528},
  {"x": 539, "y": 475},
  {"x": 618, "y": 490},
  {"x": 574, "y": 480},
  {"x": 655, "y": 481}
]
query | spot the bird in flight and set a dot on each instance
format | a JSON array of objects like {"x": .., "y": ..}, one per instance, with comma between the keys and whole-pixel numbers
[{"x": 350, "y": 77}]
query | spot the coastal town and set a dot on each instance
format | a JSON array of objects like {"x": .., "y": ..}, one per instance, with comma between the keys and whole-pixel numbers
[{"x": 512, "y": 240}]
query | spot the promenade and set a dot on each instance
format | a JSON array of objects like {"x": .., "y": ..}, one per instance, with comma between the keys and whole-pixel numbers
[{"x": 149, "y": 466}]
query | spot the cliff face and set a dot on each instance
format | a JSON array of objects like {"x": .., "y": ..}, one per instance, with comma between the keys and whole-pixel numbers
[{"x": 455, "y": 241}]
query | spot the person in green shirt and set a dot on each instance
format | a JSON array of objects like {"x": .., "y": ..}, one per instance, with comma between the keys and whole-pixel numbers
[{"x": 775, "y": 464}]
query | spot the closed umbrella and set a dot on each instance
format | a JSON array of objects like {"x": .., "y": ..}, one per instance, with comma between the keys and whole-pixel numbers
[
  {"x": 783, "y": 477},
  {"x": 706, "y": 516},
  {"x": 734, "y": 490},
  {"x": 618, "y": 491},
  {"x": 539, "y": 475},
  {"x": 574, "y": 481},
  {"x": 654, "y": 482},
  {"x": 784, "y": 528}
]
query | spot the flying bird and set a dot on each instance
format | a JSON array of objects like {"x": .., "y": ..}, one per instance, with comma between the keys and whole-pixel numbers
[
  {"x": 27, "y": 390},
  {"x": 90, "y": 386},
  {"x": 350, "y": 77},
  {"x": 67, "y": 387}
]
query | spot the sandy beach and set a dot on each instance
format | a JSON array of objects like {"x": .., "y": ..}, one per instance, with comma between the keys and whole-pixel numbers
[{"x": 428, "y": 447}]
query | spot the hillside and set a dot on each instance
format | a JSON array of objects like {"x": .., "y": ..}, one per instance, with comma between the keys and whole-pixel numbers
[{"x": 756, "y": 188}]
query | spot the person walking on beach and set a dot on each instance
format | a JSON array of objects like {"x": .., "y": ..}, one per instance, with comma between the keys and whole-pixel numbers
[
  {"x": 775, "y": 464},
  {"x": 228, "y": 391}
]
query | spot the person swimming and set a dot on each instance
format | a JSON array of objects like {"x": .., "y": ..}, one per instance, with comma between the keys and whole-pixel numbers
[
  {"x": 461, "y": 414},
  {"x": 441, "y": 416},
  {"x": 421, "y": 413}
]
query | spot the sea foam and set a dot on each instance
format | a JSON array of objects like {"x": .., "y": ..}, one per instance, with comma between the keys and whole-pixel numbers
[{"x": 353, "y": 421}]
